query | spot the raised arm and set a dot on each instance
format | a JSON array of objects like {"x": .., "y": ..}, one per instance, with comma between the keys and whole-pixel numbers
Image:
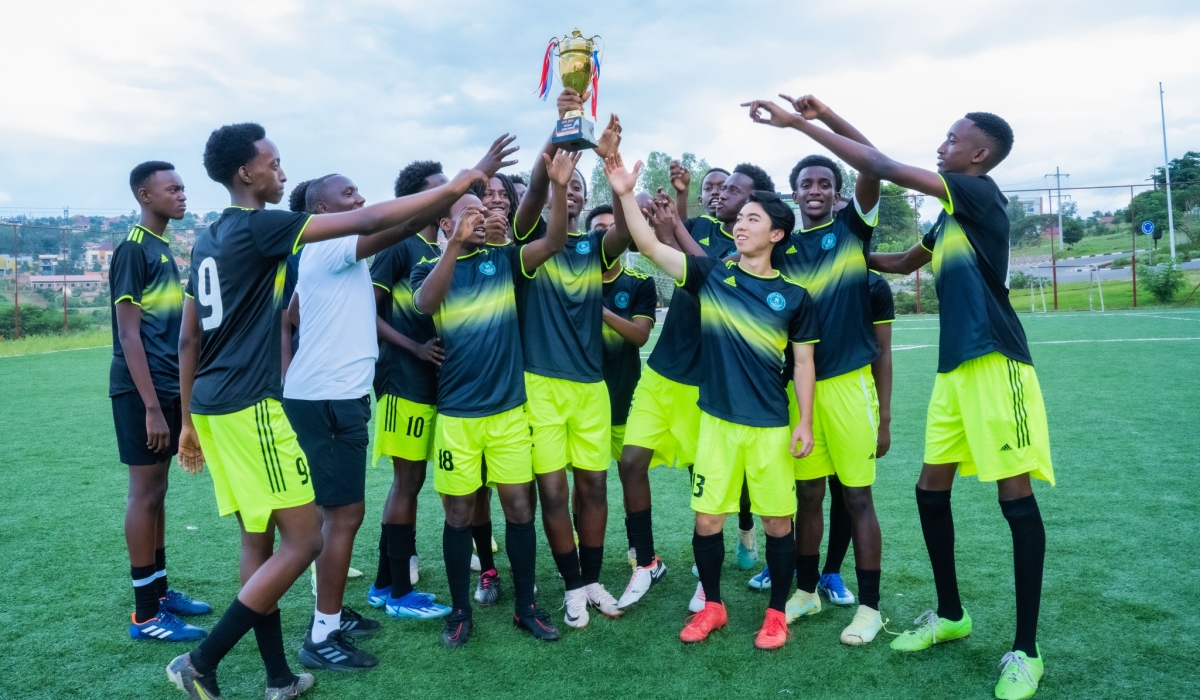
[
  {"x": 622, "y": 181},
  {"x": 635, "y": 331},
  {"x": 900, "y": 263},
  {"x": 428, "y": 299},
  {"x": 681, "y": 182},
  {"x": 191, "y": 457},
  {"x": 558, "y": 171},
  {"x": 392, "y": 213},
  {"x": 861, "y": 157},
  {"x": 538, "y": 190}
]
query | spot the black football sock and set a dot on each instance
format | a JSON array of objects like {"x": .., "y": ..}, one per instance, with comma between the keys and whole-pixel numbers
[
  {"x": 521, "y": 545},
  {"x": 568, "y": 568},
  {"x": 591, "y": 559},
  {"x": 781, "y": 553},
  {"x": 841, "y": 528},
  {"x": 456, "y": 550},
  {"x": 1029, "y": 554},
  {"x": 937, "y": 524},
  {"x": 268, "y": 632},
  {"x": 709, "y": 551},
  {"x": 160, "y": 570},
  {"x": 868, "y": 587},
  {"x": 145, "y": 592},
  {"x": 807, "y": 572},
  {"x": 399, "y": 553},
  {"x": 383, "y": 573},
  {"x": 233, "y": 625},
  {"x": 482, "y": 534},
  {"x": 641, "y": 536},
  {"x": 745, "y": 517}
]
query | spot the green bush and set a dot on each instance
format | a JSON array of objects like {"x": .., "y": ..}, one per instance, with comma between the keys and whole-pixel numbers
[
  {"x": 36, "y": 320},
  {"x": 1164, "y": 282},
  {"x": 1120, "y": 263}
]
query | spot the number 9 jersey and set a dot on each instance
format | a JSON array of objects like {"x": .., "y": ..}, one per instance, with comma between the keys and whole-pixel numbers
[{"x": 236, "y": 280}]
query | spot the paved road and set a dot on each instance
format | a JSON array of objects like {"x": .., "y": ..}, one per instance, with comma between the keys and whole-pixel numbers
[{"x": 1079, "y": 269}]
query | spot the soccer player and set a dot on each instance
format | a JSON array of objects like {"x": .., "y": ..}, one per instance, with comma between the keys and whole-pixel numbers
[
  {"x": 471, "y": 294},
  {"x": 327, "y": 400},
  {"x": 229, "y": 357},
  {"x": 406, "y": 391},
  {"x": 499, "y": 198},
  {"x": 569, "y": 413},
  {"x": 144, "y": 387},
  {"x": 600, "y": 218},
  {"x": 986, "y": 416},
  {"x": 750, "y": 314},
  {"x": 519, "y": 186},
  {"x": 710, "y": 189}
]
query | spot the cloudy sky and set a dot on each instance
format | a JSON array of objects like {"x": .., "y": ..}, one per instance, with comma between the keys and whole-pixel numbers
[{"x": 362, "y": 87}]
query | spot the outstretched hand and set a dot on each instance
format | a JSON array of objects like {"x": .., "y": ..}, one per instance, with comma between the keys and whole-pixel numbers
[
  {"x": 775, "y": 115},
  {"x": 494, "y": 159},
  {"x": 562, "y": 167},
  {"x": 610, "y": 139},
  {"x": 620, "y": 180},
  {"x": 807, "y": 106},
  {"x": 681, "y": 177}
]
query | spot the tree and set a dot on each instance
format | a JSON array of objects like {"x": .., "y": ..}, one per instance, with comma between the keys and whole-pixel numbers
[
  {"x": 599, "y": 191},
  {"x": 1164, "y": 281},
  {"x": 1028, "y": 229},
  {"x": 896, "y": 230},
  {"x": 1072, "y": 230}
]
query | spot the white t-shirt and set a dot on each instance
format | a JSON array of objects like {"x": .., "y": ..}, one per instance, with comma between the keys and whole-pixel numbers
[{"x": 338, "y": 344}]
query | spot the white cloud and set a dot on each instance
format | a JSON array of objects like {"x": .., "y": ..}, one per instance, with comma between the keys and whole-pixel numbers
[{"x": 369, "y": 85}]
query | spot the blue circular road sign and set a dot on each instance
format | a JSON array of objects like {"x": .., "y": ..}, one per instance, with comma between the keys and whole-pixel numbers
[{"x": 1147, "y": 227}]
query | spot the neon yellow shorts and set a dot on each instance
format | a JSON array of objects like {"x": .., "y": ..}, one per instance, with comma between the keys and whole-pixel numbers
[
  {"x": 404, "y": 429},
  {"x": 728, "y": 454},
  {"x": 618, "y": 441},
  {"x": 987, "y": 415},
  {"x": 571, "y": 422},
  {"x": 256, "y": 462},
  {"x": 664, "y": 417},
  {"x": 463, "y": 443},
  {"x": 845, "y": 429}
]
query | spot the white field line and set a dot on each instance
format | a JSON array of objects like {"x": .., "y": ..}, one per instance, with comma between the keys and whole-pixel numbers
[
  {"x": 51, "y": 352},
  {"x": 1066, "y": 342}
]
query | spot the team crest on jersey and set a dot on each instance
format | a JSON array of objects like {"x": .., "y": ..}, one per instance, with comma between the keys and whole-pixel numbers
[
  {"x": 776, "y": 301},
  {"x": 827, "y": 241},
  {"x": 584, "y": 247},
  {"x": 487, "y": 267},
  {"x": 622, "y": 300}
]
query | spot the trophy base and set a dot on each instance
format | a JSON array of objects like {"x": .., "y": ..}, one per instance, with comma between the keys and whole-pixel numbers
[{"x": 574, "y": 134}]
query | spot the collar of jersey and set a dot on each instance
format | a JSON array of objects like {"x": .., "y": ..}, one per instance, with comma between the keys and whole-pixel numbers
[
  {"x": 161, "y": 238},
  {"x": 472, "y": 253},
  {"x": 745, "y": 271},
  {"x": 234, "y": 206},
  {"x": 720, "y": 226},
  {"x": 577, "y": 234},
  {"x": 816, "y": 228}
]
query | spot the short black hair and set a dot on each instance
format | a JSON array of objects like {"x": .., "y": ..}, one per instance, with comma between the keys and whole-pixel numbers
[
  {"x": 518, "y": 180},
  {"x": 817, "y": 161},
  {"x": 313, "y": 191},
  {"x": 762, "y": 181},
  {"x": 781, "y": 215},
  {"x": 584, "y": 181},
  {"x": 297, "y": 200},
  {"x": 142, "y": 172},
  {"x": 997, "y": 130},
  {"x": 479, "y": 188},
  {"x": 229, "y": 148},
  {"x": 596, "y": 211},
  {"x": 710, "y": 171},
  {"x": 412, "y": 178}
]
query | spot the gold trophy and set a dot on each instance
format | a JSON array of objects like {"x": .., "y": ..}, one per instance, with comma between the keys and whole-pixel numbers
[{"x": 579, "y": 69}]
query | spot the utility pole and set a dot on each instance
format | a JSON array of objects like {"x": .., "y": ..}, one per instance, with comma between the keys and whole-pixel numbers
[
  {"x": 1167, "y": 171},
  {"x": 1058, "y": 176}
]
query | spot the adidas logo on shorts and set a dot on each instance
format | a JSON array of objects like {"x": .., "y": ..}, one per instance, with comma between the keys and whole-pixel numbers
[{"x": 1006, "y": 448}]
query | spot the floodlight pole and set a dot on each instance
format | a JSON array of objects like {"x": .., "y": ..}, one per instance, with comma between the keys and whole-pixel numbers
[{"x": 1167, "y": 171}]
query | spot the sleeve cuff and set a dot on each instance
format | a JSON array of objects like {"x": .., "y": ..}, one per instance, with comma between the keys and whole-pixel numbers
[
  {"x": 806, "y": 342},
  {"x": 888, "y": 320},
  {"x": 298, "y": 245},
  {"x": 870, "y": 218},
  {"x": 129, "y": 298},
  {"x": 384, "y": 288},
  {"x": 948, "y": 202}
]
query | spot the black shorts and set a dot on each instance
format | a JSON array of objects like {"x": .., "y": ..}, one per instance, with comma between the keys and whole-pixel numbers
[
  {"x": 334, "y": 437},
  {"x": 129, "y": 417}
]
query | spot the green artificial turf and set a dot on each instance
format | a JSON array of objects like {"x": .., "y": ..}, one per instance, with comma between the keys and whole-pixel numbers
[{"x": 1117, "y": 610}]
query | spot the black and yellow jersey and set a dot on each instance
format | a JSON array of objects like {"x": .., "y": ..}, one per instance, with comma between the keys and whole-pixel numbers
[
  {"x": 629, "y": 295},
  {"x": 483, "y": 372},
  {"x": 399, "y": 372},
  {"x": 883, "y": 307},
  {"x": 710, "y": 234},
  {"x": 237, "y": 278},
  {"x": 830, "y": 262},
  {"x": 143, "y": 272},
  {"x": 561, "y": 325},
  {"x": 969, "y": 243},
  {"x": 746, "y": 323}
]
